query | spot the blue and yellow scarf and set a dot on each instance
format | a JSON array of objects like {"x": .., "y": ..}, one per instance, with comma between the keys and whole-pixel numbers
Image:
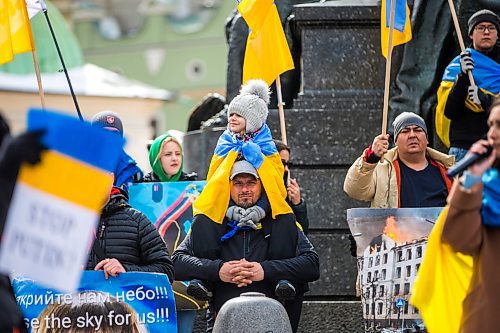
[{"x": 261, "y": 152}]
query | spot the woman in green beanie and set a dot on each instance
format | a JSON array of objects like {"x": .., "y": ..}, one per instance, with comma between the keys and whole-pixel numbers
[{"x": 166, "y": 159}]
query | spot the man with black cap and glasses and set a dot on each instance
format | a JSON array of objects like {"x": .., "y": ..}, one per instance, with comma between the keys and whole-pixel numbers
[
  {"x": 410, "y": 175},
  {"x": 466, "y": 105}
]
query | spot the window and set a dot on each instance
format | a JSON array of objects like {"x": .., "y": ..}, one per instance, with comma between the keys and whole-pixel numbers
[
  {"x": 370, "y": 262},
  {"x": 400, "y": 255},
  {"x": 408, "y": 254},
  {"x": 367, "y": 309},
  {"x": 419, "y": 252},
  {"x": 415, "y": 310},
  {"x": 379, "y": 308},
  {"x": 369, "y": 277},
  {"x": 398, "y": 272},
  {"x": 383, "y": 274},
  {"x": 406, "y": 307},
  {"x": 381, "y": 291},
  {"x": 408, "y": 271},
  {"x": 377, "y": 260},
  {"x": 407, "y": 288},
  {"x": 417, "y": 267},
  {"x": 384, "y": 259},
  {"x": 375, "y": 275},
  {"x": 396, "y": 289}
]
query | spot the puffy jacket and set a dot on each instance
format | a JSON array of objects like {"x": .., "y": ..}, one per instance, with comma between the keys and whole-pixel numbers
[
  {"x": 126, "y": 234},
  {"x": 379, "y": 182},
  {"x": 151, "y": 177},
  {"x": 282, "y": 250}
]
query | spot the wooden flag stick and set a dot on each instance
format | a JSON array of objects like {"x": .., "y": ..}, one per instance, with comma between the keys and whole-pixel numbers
[
  {"x": 38, "y": 79},
  {"x": 281, "y": 111},
  {"x": 460, "y": 38},
  {"x": 388, "y": 69}
]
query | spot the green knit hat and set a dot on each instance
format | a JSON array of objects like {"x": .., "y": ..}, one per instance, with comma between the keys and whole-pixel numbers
[{"x": 154, "y": 158}]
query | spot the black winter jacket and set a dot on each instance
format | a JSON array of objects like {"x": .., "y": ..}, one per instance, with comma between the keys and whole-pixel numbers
[
  {"x": 127, "y": 235},
  {"x": 282, "y": 250},
  {"x": 300, "y": 212},
  {"x": 467, "y": 126},
  {"x": 151, "y": 177}
]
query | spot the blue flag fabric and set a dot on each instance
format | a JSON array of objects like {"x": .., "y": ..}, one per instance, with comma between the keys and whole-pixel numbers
[
  {"x": 486, "y": 71},
  {"x": 262, "y": 143},
  {"x": 490, "y": 210},
  {"x": 399, "y": 15}
]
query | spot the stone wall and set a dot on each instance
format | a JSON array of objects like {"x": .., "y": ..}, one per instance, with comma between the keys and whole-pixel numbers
[{"x": 336, "y": 115}]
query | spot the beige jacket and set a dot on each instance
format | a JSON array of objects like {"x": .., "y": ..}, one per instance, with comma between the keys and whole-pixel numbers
[{"x": 380, "y": 182}]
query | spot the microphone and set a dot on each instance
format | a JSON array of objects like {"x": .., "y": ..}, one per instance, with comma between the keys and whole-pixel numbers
[{"x": 467, "y": 161}]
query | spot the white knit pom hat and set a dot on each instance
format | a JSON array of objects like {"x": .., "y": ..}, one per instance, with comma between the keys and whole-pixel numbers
[{"x": 251, "y": 104}]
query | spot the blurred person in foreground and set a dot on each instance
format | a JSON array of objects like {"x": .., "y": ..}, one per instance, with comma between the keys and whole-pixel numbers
[
  {"x": 472, "y": 227},
  {"x": 14, "y": 151}
]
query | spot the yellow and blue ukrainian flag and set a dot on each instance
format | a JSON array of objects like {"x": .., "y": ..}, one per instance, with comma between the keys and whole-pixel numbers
[
  {"x": 402, "y": 27},
  {"x": 267, "y": 54},
  {"x": 261, "y": 152},
  {"x": 486, "y": 74},
  {"x": 78, "y": 165},
  {"x": 442, "y": 283}
]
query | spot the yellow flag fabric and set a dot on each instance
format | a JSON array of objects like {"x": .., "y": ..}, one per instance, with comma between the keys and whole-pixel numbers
[
  {"x": 443, "y": 123},
  {"x": 255, "y": 12},
  {"x": 267, "y": 54},
  {"x": 15, "y": 30},
  {"x": 442, "y": 283},
  {"x": 400, "y": 35}
]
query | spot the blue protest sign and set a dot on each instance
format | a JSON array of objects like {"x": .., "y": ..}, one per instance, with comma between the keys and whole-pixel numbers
[
  {"x": 169, "y": 207},
  {"x": 135, "y": 302}
]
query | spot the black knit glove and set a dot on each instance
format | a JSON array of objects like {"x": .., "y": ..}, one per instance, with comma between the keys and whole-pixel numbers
[{"x": 26, "y": 147}]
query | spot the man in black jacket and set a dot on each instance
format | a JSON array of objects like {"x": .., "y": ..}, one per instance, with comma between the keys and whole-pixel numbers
[
  {"x": 127, "y": 241},
  {"x": 240, "y": 257}
]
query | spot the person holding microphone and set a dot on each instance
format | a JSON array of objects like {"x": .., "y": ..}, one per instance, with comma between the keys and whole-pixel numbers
[{"x": 472, "y": 227}]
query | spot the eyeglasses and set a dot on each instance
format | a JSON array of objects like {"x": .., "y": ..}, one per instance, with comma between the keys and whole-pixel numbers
[{"x": 482, "y": 28}]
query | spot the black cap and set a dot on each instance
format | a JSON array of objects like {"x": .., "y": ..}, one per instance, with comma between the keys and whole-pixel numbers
[{"x": 109, "y": 120}]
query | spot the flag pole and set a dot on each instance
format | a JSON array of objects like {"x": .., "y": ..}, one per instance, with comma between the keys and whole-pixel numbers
[
  {"x": 388, "y": 71},
  {"x": 460, "y": 38},
  {"x": 388, "y": 68},
  {"x": 63, "y": 65},
  {"x": 281, "y": 111},
  {"x": 38, "y": 79}
]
